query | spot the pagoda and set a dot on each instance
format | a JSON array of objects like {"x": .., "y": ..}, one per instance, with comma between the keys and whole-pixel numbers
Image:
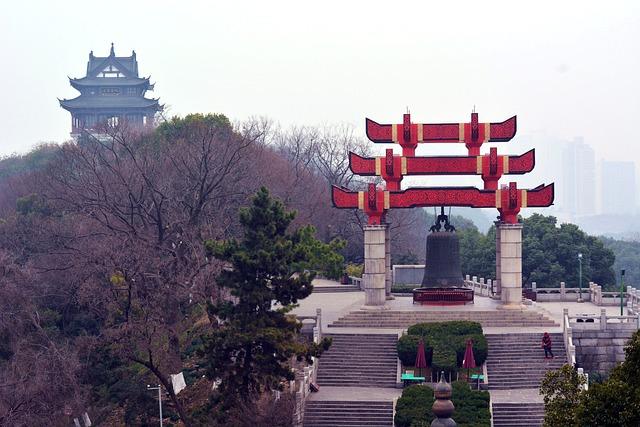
[{"x": 111, "y": 92}]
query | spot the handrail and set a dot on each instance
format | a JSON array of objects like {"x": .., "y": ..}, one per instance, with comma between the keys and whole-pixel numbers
[{"x": 568, "y": 338}]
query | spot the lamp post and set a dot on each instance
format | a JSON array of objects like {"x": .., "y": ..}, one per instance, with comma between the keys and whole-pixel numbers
[
  {"x": 580, "y": 277},
  {"x": 159, "y": 388},
  {"x": 621, "y": 292}
]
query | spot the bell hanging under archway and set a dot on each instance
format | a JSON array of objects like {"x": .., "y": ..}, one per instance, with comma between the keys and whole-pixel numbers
[{"x": 442, "y": 266}]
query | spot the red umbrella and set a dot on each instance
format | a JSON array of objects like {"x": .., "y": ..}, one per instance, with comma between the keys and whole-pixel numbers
[
  {"x": 469, "y": 361},
  {"x": 421, "y": 360}
]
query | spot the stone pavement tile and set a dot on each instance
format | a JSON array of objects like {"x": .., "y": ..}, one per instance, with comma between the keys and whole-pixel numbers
[
  {"x": 521, "y": 395},
  {"x": 356, "y": 393}
]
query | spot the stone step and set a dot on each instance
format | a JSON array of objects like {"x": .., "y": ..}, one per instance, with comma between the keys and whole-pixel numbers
[
  {"x": 359, "y": 360},
  {"x": 365, "y": 406},
  {"x": 517, "y": 414},
  {"x": 348, "y": 414},
  {"x": 332, "y": 289}
]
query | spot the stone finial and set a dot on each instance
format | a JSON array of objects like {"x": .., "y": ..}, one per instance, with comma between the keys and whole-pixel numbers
[{"x": 443, "y": 406}]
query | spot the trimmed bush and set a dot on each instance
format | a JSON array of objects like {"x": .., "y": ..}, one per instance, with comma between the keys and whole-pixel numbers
[
  {"x": 457, "y": 327},
  {"x": 472, "y": 407},
  {"x": 445, "y": 341},
  {"x": 444, "y": 358},
  {"x": 414, "y": 406},
  {"x": 413, "y": 409},
  {"x": 407, "y": 348}
]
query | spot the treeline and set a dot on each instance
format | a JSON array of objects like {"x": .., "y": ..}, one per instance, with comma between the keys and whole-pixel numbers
[
  {"x": 627, "y": 255},
  {"x": 105, "y": 281},
  {"x": 549, "y": 254}
]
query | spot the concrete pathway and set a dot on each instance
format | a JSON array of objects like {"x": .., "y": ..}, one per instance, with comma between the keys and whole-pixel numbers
[
  {"x": 356, "y": 393},
  {"x": 521, "y": 395}
]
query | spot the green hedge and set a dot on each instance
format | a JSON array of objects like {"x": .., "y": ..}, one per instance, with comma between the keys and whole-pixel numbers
[
  {"x": 403, "y": 289},
  {"x": 445, "y": 344},
  {"x": 413, "y": 409},
  {"x": 472, "y": 407},
  {"x": 414, "y": 405}
]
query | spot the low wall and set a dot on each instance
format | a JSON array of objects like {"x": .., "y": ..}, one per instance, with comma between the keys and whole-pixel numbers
[
  {"x": 599, "y": 340},
  {"x": 600, "y": 351},
  {"x": 408, "y": 274}
]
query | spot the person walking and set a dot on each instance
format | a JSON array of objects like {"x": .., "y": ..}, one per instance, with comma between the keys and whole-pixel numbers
[{"x": 546, "y": 344}]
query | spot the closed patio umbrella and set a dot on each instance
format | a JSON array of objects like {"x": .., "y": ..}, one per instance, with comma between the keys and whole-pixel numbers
[
  {"x": 421, "y": 360},
  {"x": 469, "y": 361}
]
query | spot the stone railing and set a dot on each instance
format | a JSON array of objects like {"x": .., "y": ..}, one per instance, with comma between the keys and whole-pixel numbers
[
  {"x": 604, "y": 322},
  {"x": 301, "y": 385},
  {"x": 479, "y": 286},
  {"x": 599, "y": 297},
  {"x": 357, "y": 281},
  {"x": 633, "y": 301},
  {"x": 592, "y": 293},
  {"x": 567, "y": 332},
  {"x": 563, "y": 293}
]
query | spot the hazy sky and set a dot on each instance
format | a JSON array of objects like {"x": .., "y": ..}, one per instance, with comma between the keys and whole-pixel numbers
[{"x": 565, "y": 68}]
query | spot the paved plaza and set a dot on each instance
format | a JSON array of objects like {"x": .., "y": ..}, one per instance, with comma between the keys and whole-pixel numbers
[{"x": 335, "y": 305}]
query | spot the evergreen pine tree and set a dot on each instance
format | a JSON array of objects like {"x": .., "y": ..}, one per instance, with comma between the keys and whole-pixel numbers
[{"x": 251, "y": 347}]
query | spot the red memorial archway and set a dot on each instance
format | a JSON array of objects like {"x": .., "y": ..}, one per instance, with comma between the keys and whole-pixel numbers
[{"x": 508, "y": 199}]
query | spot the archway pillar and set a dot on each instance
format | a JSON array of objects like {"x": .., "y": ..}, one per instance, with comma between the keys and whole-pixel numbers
[
  {"x": 374, "y": 276},
  {"x": 509, "y": 264}
]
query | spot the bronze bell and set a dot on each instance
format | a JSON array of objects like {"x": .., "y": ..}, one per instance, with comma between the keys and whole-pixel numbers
[{"x": 442, "y": 267}]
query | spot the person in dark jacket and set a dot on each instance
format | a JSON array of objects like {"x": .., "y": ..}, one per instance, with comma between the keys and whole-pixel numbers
[{"x": 546, "y": 344}]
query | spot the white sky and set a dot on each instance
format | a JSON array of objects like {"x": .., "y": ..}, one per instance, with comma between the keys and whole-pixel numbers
[{"x": 565, "y": 68}]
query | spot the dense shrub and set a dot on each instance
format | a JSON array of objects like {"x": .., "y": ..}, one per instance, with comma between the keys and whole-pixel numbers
[
  {"x": 414, "y": 405},
  {"x": 407, "y": 348},
  {"x": 472, "y": 407},
  {"x": 403, "y": 289},
  {"x": 445, "y": 344},
  {"x": 458, "y": 327},
  {"x": 413, "y": 409}
]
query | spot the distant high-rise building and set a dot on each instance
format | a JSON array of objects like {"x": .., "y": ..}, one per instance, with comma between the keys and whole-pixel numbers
[
  {"x": 111, "y": 91},
  {"x": 579, "y": 179},
  {"x": 618, "y": 187}
]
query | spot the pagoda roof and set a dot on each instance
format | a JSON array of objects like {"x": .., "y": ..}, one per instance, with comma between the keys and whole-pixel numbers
[
  {"x": 109, "y": 102},
  {"x": 126, "y": 65},
  {"x": 110, "y": 81}
]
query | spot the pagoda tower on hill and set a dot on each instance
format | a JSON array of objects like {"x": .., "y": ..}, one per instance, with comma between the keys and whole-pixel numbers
[{"x": 111, "y": 92}]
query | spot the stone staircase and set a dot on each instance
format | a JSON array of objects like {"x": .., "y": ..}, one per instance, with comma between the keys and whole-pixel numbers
[
  {"x": 359, "y": 360},
  {"x": 320, "y": 413},
  {"x": 517, "y": 360},
  {"x": 338, "y": 288},
  {"x": 402, "y": 319},
  {"x": 517, "y": 414}
]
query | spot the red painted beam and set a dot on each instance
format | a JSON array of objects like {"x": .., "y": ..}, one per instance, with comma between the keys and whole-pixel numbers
[
  {"x": 508, "y": 200},
  {"x": 473, "y": 134},
  {"x": 491, "y": 167}
]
